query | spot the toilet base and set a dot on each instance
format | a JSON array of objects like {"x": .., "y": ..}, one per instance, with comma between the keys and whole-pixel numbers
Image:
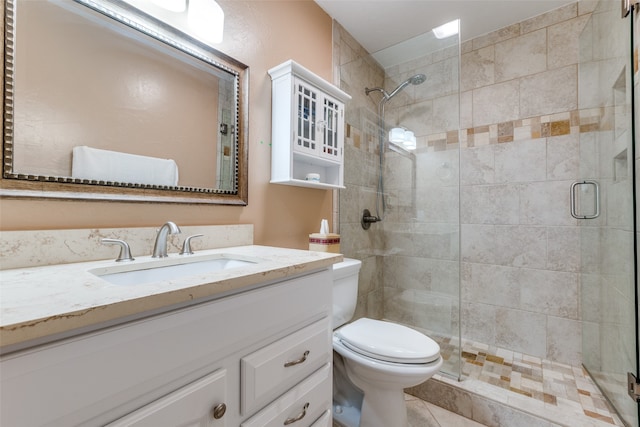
[
  {"x": 383, "y": 408},
  {"x": 346, "y": 416},
  {"x": 350, "y": 416}
]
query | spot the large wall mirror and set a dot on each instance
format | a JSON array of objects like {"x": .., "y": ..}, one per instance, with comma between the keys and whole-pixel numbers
[{"x": 104, "y": 102}]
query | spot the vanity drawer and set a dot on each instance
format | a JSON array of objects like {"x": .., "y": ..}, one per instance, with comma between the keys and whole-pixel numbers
[
  {"x": 302, "y": 406},
  {"x": 268, "y": 372}
]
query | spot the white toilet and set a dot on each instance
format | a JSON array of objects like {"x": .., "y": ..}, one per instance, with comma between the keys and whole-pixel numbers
[{"x": 379, "y": 358}]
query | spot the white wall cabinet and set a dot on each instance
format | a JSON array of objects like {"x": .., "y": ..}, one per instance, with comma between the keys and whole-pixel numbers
[
  {"x": 307, "y": 128},
  {"x": 211, "y": 364}
]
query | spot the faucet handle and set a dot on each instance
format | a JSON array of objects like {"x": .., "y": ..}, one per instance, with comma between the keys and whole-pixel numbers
[
  {"x": 125, "y": 251},
  {"x": 186, "y": 246}
]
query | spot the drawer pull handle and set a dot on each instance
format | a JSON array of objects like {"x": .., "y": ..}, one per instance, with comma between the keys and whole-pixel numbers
[
  {"x": 298, "y": 361},
  {"x": 218, "y": 411},
  {"x": 299, "y": 417}
]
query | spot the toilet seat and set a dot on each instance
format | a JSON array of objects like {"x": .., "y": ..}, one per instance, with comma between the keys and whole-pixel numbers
[{"x": 388, "y": 342}]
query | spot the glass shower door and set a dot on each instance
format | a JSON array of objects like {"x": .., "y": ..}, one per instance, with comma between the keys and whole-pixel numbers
[{"x": 603, "y": 203}]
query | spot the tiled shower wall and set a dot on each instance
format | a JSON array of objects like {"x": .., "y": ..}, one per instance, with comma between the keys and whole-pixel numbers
[
  {"x": 355, "y": 70},
  {"x": 519, "y": 148},
  {"x": 520, "y": 244}
]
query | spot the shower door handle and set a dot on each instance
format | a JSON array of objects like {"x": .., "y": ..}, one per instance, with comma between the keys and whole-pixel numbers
[{"x": 596, "y": 204}]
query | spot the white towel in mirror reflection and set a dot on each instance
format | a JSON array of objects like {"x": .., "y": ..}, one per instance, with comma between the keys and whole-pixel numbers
[{"x": 106, "y": 165}]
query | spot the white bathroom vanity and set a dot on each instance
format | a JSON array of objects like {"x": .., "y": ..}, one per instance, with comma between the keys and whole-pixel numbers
[{"x": 248, "y": 346}]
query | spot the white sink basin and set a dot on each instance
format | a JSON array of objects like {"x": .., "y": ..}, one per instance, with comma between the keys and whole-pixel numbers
[{"x": 169, "y": 269}]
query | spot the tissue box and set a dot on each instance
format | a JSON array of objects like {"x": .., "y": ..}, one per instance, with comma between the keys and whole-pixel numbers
[{"x": 324, "y": 242}]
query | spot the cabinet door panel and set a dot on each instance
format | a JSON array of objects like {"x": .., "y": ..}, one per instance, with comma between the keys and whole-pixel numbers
[
  {"x": 190, "y": 406},
  {"x": 332, "y": 129},
  {"x": 307, "y": 106}
]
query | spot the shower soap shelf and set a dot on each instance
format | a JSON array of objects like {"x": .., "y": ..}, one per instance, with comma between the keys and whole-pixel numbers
[{"x": 307, "y": 129}]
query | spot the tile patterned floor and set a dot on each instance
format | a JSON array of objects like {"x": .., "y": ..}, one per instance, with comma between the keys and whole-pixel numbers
[
  {"x": 425, "y": 414},
  {"x": 546, "y": 385}
]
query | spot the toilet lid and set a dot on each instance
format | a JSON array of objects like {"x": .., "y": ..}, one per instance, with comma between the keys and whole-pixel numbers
[{"x": 388, "y": 341}]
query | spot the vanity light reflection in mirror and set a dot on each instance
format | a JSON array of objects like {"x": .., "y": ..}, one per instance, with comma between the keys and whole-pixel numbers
[
  {"x": 84, "y": 82},
  {"x": 202, "y": 19}
]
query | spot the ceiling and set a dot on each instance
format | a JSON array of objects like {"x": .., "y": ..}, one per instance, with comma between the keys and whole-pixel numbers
[{"x": 378, "y": 24}]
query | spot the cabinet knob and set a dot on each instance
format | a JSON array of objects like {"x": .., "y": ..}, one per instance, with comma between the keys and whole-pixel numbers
[{"x": 219, "y": 410}]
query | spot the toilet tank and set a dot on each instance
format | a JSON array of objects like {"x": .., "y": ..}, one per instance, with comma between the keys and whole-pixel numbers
[{"x": 345, "y": 290}]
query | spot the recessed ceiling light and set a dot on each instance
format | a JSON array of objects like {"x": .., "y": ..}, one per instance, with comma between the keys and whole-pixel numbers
[{"x": 447, "y": 30}]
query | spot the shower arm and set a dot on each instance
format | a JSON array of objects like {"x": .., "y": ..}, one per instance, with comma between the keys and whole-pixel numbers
[{"x": 384, "y": 93}]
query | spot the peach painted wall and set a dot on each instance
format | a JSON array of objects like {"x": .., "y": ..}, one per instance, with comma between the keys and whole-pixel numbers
[{"x": 260, "y": 34}]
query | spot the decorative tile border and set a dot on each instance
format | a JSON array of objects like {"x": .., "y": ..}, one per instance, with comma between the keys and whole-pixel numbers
[{"x": 570, "y": 122}]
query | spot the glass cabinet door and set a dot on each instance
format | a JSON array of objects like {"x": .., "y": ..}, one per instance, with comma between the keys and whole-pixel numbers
[
  {"x": 331, "y": 132},
  {"x": 307, "y": 107}
]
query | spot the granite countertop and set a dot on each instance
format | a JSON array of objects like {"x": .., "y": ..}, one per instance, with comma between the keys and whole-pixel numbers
[{"x": 54, "y": 301}]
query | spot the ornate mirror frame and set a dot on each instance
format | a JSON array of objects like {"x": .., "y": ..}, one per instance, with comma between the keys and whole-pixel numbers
[{"x": 17, "y": 185}]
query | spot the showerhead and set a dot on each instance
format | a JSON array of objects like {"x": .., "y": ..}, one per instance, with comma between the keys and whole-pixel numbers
[
  {"x": 418, "y": 79},
  {"x": 414, "y": 80}
]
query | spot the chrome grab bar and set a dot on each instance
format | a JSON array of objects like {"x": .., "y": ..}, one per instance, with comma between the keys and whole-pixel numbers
[{"x": 574, "y": 209}]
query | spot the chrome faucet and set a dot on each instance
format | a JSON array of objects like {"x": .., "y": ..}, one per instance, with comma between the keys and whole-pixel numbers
[{"x": 160, "y": 247}]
